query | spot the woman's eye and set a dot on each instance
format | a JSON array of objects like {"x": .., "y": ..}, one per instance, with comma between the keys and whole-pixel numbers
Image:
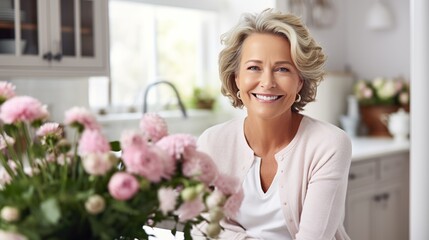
[
  {"x": 253, "y": 68},
  {"x": 282, "y": 69}
]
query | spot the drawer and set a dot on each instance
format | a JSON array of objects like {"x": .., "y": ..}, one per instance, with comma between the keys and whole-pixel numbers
[
  {"x": 362, "y": 173},
  {"x": 393, "y": 166}
]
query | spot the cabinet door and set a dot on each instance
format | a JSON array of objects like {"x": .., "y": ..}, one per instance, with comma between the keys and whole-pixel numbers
[
  {"x": 359, "y": 214},
  {"x": 77, "y": 33},
  {"x": 389, "y": 213},
  {"x": 22, "y": 33}
]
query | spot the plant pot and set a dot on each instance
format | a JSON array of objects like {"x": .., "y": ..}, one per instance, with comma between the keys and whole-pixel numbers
[{"x": 371, "y": 117}]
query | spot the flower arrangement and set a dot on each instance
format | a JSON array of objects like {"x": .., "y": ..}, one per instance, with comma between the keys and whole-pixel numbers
[
  {"x": 52, "y": 187},
  {"x": 382, "y": 91}
]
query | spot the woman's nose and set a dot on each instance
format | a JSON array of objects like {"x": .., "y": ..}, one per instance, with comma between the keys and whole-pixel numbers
[{"x": 267, "y": 80}]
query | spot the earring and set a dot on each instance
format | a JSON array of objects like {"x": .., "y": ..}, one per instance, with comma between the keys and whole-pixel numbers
[
  {"x": 238, "y": 94},
  {"x": 298, "y": 98}
]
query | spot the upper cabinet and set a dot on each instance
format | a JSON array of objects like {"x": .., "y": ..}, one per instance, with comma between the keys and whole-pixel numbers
[{"x": 53, "y": 38}]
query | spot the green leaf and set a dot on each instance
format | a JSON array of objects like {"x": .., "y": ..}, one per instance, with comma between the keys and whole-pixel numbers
[
  {"x": 51, "y": 210},
  {"x": 115, "y": 146}
]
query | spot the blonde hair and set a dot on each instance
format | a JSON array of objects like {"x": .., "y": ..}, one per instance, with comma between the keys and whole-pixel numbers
[{"x": 306, "y": 54}]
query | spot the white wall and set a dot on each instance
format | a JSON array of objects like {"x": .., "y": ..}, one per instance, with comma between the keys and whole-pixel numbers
[{"x": 371, "y": 54}]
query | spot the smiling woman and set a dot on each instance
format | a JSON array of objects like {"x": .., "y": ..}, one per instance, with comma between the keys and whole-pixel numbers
[{"x": 151, "y": 42}]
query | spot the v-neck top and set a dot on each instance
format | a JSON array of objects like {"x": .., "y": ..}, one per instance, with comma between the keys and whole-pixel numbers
[
  {"x": 312, "y": 176},
  {"x": 260, "y": 213}
]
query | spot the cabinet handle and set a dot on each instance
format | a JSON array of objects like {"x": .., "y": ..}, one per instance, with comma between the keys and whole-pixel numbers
[
  {"x": 48, "y": 56},
  {"x": 385, "y": 196},
  {"x": 352, "y": 176},
  {"x": 58, "y": 57},
  {"x": 377, "y": 198}
]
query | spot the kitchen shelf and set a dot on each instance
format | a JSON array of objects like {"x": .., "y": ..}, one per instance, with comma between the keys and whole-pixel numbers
[{"x": 32, "y": 27}]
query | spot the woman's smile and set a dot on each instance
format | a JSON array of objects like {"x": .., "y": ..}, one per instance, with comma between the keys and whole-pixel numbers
[{"x": 266, "y": 98}]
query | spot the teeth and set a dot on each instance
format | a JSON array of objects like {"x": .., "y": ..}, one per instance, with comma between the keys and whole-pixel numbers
[{"x": 266, "y": 98}]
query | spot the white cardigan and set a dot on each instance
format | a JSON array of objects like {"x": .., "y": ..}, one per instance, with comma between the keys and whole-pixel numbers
[{"x": 315, "y": 176}]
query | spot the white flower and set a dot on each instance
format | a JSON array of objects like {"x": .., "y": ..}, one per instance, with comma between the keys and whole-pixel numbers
[
  {"x": 167, "y": 199},
  {"x": 10, "y": 214},
  {"x": 95, "y": 204},
  {"x": 216, "y": 198},
  {"x": 387, "y": 90},
  {"x": 11, "y": 236},
  {"x": 213, "y": 230},
  {"x": 98, "y": 163}
]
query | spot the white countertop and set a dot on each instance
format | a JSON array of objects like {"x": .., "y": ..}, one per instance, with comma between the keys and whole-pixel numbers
[{"x": 367, "y": 147}]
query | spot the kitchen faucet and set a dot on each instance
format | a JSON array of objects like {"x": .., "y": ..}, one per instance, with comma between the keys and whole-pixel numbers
[{"x": 179, "y": 101}]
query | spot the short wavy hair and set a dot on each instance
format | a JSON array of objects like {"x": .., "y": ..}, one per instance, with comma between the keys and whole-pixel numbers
[{"x": 306, "y": 54}]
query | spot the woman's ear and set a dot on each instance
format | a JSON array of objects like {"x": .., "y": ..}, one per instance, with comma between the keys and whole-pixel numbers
[{"x": 300, "y": 85}]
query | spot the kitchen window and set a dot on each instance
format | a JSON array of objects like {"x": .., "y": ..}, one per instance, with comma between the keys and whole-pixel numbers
[{"x": 149, "y": 43}]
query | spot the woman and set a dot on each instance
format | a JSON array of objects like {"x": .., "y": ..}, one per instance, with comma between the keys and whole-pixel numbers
[{"x": 293, "y": 168}]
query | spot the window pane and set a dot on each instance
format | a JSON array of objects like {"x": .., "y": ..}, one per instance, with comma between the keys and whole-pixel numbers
[{"x": 150, "y": 43}]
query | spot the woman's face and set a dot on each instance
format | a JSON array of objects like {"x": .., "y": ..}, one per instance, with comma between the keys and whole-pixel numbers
[{"x": 267, "y": 78}]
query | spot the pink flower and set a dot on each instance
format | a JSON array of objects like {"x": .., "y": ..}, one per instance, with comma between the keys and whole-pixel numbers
[
  {"x": 131, "y": 138},
  {"x": 178, "y": 144},
  {"x": 22, "y": 108},
  {"x": 5, "y": 178},
  {"x": 201, "y": 166},
  {"x": 167, "y": 199},
  {"x": 190, "y": 209},
  {"x": 11, "y": 236},
  {"x": 81, "y": 116},
  {"x": 227, "y": 184},
  {"x": 6, "y": 140},
  {"x": 93, "y": 141},
  {"x": 51, "y": 128},
  {"x": 7, "y": 91},
  {"x": 153, "y": 126},
  {"x": 98, "y": 163},
  {"x": 215, "y": 199},
  {"x": 123, "y": 186},
  {"x": 145, "y": 162},
  {"x": 233, "y": 204}
]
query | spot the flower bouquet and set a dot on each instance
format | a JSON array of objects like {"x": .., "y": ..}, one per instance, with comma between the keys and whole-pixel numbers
[
  {"x": 64, "y": 181},
  {"x": 382, "y": 91},
  {"x": 380, "y": 97}
]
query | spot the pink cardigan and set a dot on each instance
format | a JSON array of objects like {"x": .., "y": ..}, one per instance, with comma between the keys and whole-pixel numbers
[{"x": 313, "y": 182}]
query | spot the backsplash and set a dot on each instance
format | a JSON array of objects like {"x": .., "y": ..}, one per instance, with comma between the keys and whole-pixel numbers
[{"x": 58, "y": 94}]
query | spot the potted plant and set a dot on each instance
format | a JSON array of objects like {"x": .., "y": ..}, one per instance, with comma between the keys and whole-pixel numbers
[{"x": 378, "y": 97}]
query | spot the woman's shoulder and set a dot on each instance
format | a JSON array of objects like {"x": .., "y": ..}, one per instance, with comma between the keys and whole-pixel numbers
[{"x": 321, "y": 131}]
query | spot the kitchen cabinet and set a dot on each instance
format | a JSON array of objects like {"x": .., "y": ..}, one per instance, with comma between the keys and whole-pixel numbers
[
  {"x": 53, "y": 38},
  {"x": 377, "y": 204}
]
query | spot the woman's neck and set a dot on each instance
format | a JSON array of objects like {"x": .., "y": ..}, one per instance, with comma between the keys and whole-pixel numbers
[{"x": 268, "y": 136}]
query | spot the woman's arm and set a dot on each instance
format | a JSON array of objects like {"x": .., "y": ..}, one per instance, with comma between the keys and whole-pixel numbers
[{"x": 324, "y": 204}]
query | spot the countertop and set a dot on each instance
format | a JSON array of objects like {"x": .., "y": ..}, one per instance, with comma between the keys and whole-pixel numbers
[{"x": 369, "y": 147}]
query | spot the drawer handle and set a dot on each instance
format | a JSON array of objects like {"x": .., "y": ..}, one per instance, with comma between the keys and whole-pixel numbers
[{"x": 352, "y": 176}]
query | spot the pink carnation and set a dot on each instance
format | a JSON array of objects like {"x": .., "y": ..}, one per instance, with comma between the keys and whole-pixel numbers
[
  {"x": 144, "y": 161},
  {"x": 51, "y": 128},
  {"x": 123, "y": 186},
  {"x": 7, "y": 91},
  {"x": 227, "y": 184},
  {"x": 201, "y": 166},
  {"x": 93, "y": 141},
  {"x": 178, "y": 144},
  {"x": 132, "y": 138},
  {"x": 153, "y": 126},
  {"x": 190, "y": 209},
  {"x": 167, "y": 199},
  {"x": 81, "y": 116},
  {"x": 22, "y": 108},
  {"x": 233, "y": 204}
]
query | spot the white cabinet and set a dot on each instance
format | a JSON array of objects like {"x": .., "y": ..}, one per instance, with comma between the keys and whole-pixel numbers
[
  {"x": 53, "y": 38},
  {"x": 377, "y": 200}
]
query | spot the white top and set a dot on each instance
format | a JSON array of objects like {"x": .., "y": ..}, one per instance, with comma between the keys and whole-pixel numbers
[{"x": 260, "y": 213}]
